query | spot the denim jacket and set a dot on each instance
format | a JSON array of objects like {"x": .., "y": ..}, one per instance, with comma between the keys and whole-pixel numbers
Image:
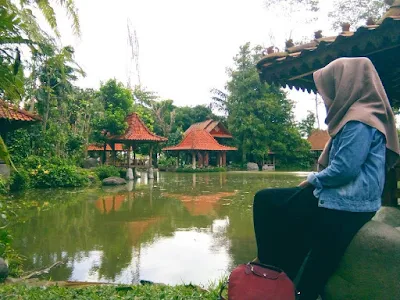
[{"x": 355, "y": 176}]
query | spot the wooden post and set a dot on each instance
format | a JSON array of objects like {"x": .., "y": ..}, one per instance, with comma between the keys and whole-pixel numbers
[
  {"x": 224, "y": 159},
  {"x": 194, "y": 160},
  {"x": 114, "y": 154},
  {"x": 218, "y": 159},
  {"x": 200, "y": 159},
  {"x": 177, "y": 160},
  {"x": 206, "y": 158},
  {"x": 151, "y": 157},
  {"x": 129, "y": 155}
]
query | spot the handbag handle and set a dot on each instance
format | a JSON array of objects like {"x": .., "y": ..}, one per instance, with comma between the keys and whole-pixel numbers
[{"x": 250, "y": 264}]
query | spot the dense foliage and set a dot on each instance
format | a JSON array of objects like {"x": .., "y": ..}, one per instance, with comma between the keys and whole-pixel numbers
[{"x": 260, "y": 116}]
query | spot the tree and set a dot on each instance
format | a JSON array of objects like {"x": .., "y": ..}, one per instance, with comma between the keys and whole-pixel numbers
[
  {"x": 117, "y": 102},
  {"x": 259, "y": 116},
  {"x": 357, "y": 12},
  {"x": 307, "y": 125}
]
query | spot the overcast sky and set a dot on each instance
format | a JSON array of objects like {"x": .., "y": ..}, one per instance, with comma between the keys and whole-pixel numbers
[{"x": 184, "y": 46}]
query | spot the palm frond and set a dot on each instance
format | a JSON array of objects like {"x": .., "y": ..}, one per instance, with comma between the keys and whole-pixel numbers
[
  {"x": 72, "y": 13},
  {"x": 49, "y": 14}
]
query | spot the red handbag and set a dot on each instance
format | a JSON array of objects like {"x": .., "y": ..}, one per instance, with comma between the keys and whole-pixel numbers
[{"x": 255, "y": 281}]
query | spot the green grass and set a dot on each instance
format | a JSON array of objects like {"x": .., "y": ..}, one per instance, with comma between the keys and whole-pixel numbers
[{"x": 22, "y": 291}]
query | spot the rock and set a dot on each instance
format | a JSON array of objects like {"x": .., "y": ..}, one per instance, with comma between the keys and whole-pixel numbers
[
  {"x": 150, "y": 174},
  {"x": 3, "y": 270},
  {"x": 252, "y": 167},
  {"x": 370, "y": 268},
  {"x": 114, "y": 181},
  {"x": 268, "y": 168},
  {"x": 90, "y": 163},
  {"x": 388, "y": 215}
]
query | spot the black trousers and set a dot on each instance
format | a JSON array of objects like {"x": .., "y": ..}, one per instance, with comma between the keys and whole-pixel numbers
[{"x": 289, "y": 226}]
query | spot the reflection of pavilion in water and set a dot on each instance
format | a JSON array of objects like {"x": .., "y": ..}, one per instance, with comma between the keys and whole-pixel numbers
[{"x": 201, "y": 204}]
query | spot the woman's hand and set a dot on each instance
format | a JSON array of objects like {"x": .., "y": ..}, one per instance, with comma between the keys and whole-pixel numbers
[{"x": 304, "y": 184}]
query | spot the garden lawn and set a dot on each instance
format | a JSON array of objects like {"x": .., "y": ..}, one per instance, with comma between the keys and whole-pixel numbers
[{"x": 23, "y": 291}]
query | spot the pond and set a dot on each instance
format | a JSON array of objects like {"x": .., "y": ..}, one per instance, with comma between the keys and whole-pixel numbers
[{"x": 180, "y": 228}]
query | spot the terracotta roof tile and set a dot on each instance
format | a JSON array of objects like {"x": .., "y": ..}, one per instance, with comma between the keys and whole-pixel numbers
[
  {"x": 137, "y": 131},
  {"x": 215, "y": 128},
  {"x": 12, "y": 113},
  {"x": 318, "y": 139},
  {"x": 199, "y": 140}
]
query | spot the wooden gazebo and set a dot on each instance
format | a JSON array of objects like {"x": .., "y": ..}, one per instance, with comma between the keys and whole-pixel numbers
[
  {"x": 215, "y": 128},
  {"x": 379, "y": 42},
  {"x": 199, "y": 143},
  {"x": 137, "y": 133},
  {"x": 12, "y": 118}
]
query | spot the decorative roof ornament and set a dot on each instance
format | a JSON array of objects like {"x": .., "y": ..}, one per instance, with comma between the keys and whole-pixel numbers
[
  {"x": 393, "y": 11},
  {"x": 371, "y": 21},
  {"x": 345, "y": 27},
  {"x": 289, "y": 43},
  {"x": 318, "y": 34}
]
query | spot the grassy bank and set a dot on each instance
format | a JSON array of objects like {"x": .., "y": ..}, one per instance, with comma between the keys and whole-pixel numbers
[{"x": 23, "y": 291}]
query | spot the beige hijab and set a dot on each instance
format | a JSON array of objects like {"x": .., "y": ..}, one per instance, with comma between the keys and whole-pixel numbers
[{"x": 352, "y": 91}]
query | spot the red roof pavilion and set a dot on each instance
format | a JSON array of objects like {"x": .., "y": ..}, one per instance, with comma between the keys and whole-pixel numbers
[
  {"x": 137, "y": 131},
  {"x": 318, "y": 139},
  {"x": 12, "y": 117},
  {"x": 199, "y": 140},
  {"x": 215, "y": 128}
]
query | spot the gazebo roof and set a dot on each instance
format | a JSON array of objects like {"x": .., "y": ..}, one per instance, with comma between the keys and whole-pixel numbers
[
  {"x": 137, "y": 131},
  {"x": 318, "y": 139},
  {"x": 96, "y": 147},
  {"x": 201, "y": 204},
  {"x": 215, "y": 128},
  {"x": 199, "y": 140},
  {"x": 12, "y": 117},
  {"x": 380, "y": 43}
]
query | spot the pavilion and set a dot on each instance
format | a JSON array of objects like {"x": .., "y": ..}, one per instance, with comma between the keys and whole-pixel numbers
[
  {"x": 380, "y": 42},
  {"x": 136, "y": 134},
  {"x": 215, "y": 128},
  {"x": 318, "y": 139},
  {"x": 12, "y": 118},
  {"x": 200, "y": 143}
]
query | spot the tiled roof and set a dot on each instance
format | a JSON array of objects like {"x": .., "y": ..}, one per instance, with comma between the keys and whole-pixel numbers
[
  {"x": 98, "y": 147},
  {"x": 137, "y": 131},
  {"x": 199, "y": 140},
  {"x": 380, "y": 43},
  {"x": 215, "y": 128},
  {"x": 318, "y": 139},
  {"x": 12, "y": 113}
]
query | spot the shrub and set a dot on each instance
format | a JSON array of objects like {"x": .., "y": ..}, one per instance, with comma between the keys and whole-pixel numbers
[
  {"x": 20, "y": 180},
  {"x": 122, "y": 172},
  {"x": 58, "y": 176},
  {"x": 166, "y": 162},
  {"x": 107, "y": 171}
]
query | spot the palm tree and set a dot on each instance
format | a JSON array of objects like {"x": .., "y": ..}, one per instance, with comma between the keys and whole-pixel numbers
[{"x": 18, "y": 26}]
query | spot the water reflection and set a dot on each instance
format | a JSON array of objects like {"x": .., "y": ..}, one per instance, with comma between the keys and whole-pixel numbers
[{"x": 176, "y": 228}]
